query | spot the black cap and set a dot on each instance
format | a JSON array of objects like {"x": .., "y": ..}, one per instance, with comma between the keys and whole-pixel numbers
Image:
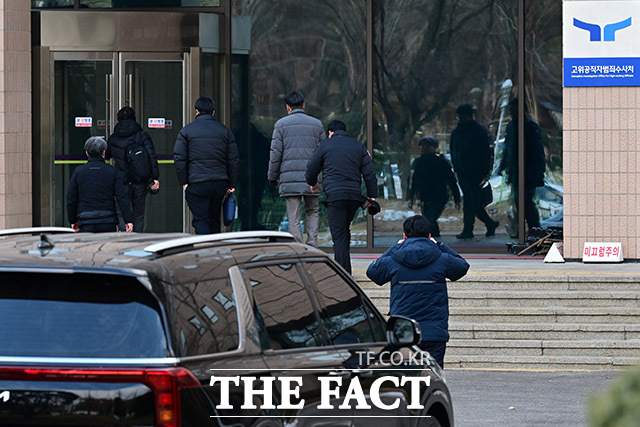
[
  {"x": 372, "y": 207},
  {"x": 465, "y": 110},
  {"x": 429, "y": 140}
]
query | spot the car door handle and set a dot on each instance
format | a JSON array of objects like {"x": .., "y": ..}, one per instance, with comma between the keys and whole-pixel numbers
[{"x": 341, "y": 373}]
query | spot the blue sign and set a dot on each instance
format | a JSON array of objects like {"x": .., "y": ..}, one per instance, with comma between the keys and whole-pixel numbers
[
  {"x": 602, "y": 72},
  {"x": 609, "y": 30},
  {"x": 601, "y": 43}
]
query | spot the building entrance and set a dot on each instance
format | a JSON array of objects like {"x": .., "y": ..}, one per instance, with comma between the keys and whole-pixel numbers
[
  {"x": 89, "y": 89},
  {"x": 158, "y": 63}
]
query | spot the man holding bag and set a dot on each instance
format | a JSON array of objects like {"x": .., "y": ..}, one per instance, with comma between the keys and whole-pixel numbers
[
  {"x": 342, "y": 160},
  {"x": 207, "y": 164}
]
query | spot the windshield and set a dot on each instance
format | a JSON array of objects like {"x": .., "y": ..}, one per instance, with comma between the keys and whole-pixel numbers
[{"x": 78, "y": 315}]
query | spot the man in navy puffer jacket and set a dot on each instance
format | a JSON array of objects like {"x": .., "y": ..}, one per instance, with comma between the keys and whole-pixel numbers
[{"x": 418, "y": 268}]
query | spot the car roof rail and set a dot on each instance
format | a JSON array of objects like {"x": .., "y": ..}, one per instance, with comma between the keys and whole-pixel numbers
[
  {"x": 235, "y": 237},
  {"x": 36, "y": 230}
]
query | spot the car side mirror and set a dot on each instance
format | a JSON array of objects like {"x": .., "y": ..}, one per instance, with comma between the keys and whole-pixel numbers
[{"x": 403, "y": 331}]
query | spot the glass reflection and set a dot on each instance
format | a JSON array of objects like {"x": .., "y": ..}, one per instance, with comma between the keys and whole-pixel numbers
[
  {"x": 207, "y": 317},
  {"x": 343, "y": 315},
  {"x": 543, "y": 101},
  {"x": 471, "y": 154},
  {"x": 146, "y": 3},
  {"x": 284, "y": 313},
  {"x": 424, "y": 68},
  {"x": 431, "y": 180},
  {"x": 45, "y": 4},
  {"x": 326, "y": 62}
]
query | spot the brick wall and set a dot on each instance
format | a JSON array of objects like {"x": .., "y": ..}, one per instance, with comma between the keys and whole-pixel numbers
[
  {"x": 601, "y": 161},
  {"x": 15, "y": 114}
]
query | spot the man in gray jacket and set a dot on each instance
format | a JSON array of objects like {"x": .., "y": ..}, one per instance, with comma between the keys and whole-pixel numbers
[{"x": 295, "y": 138}]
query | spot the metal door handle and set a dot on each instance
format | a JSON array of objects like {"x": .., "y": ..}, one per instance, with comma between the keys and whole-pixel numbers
[
  {"x": 107, "y": 113},
  {"x": 130, "y": 91},
  {"x": 363, "y": 372},
  {"x": 141, "y": 106}
]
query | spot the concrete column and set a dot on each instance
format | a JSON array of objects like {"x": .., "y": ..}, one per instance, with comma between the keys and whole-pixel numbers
[{"x": 15, "y": 114}]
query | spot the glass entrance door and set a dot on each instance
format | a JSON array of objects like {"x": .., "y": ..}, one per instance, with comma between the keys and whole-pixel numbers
[
  {"x": 153, "y": 85},
  {"x": 88, "y": 91}
]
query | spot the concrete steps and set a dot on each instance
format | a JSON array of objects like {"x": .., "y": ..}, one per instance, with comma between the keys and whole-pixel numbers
[
  {"x": 541, "y": 331},
  {"x": 539, "y": 321}
]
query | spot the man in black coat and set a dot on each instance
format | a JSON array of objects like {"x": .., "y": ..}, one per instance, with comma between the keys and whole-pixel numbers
[
  {"x": 432, "y": 180},
  {"x": 471, "y": 157},
  {"x": 207, "y": 164},
  {"x": 342, "y": 160},
  {"x": 126, "y": 132},
  {"x": 93, "y": 191},
  {"x": 534, "y": 161}
]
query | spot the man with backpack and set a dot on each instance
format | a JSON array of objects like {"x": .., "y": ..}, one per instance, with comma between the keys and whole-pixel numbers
[{"x": 133, "y": 153}]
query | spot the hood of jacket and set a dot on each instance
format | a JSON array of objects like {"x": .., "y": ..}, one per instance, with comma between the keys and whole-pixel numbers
[
  {"x": 126, "y": 128},
  {"x": 417, "y": 252}
]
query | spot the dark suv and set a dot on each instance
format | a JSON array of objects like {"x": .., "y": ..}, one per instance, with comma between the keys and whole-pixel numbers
[{"x": 180, "y": 330}]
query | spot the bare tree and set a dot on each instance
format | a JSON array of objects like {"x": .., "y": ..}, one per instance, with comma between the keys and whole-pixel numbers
[{"x": 429, "y": 57}]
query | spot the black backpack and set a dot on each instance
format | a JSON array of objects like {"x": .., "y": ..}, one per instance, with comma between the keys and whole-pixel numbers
[{"x": 137, "y": 162}]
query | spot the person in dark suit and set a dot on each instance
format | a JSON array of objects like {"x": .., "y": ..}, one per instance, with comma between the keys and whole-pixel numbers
[
  {"x": 342, "y": 161},
  {"x": 431, "y": 182},
  {"x": 534, "y": 162},
  {"x": 207, "y": 163},
  {"x": 471, "y": 156},
  {"x": 93, "y": 190}
]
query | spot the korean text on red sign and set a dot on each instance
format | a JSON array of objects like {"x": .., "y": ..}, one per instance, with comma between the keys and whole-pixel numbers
[{"x": 602, "y": 252}]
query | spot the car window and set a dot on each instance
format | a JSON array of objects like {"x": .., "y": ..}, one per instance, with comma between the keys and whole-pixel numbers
[
  {"x": 78, "y": 315},
  {"x": 345, "y": 316},
  {"x": 286, "y": 318},
  {"x": 207, "y": 317}
]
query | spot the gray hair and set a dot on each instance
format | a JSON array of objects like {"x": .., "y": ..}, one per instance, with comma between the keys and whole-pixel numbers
[{"x": 95, "y": 146}]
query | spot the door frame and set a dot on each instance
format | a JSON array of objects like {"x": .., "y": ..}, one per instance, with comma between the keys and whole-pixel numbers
[{"x": 44, "y": 107}]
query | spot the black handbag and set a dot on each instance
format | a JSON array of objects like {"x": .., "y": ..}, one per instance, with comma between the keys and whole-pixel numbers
[{"x": 486, "y": 194}]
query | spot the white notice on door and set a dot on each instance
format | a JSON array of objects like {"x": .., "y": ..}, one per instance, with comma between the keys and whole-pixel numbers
[
  {"x": 84, "y": 122},
  {"x": 156, "y": 123}
]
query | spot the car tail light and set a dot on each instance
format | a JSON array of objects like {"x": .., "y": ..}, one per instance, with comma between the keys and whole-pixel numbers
[{"x": 165, "y": 383}]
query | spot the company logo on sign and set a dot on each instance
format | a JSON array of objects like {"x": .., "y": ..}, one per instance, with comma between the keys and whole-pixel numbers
[
  {"x": 600, "y": 43},
  {"x": 595, "y": 32}
]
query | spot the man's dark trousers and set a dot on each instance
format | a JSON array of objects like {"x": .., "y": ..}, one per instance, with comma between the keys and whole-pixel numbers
[
  {"x": 472, "y": 205},
  {"x": 98, "y": 228},
  {"x": 432, "y": 211},
  {"x": 341, "y": 213},
  {"x": 531, "y": 215},
  {"x": 205, "y": 202},
  {"x": 138, "y": 196},
  {"x": 436, "y": 349}
]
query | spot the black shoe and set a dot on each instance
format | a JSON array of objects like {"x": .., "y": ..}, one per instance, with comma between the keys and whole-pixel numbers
[
  {"x": 491, "y": 229},
  {"x": 464, "y": 235}
]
